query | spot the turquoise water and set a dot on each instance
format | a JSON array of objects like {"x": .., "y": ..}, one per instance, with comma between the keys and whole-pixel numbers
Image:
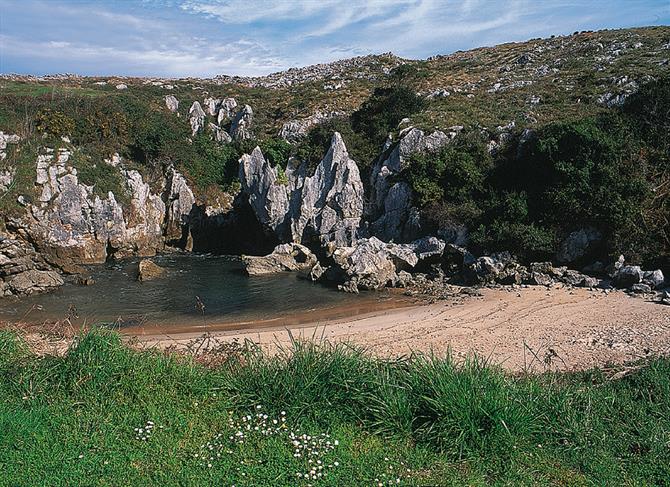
[{"x": 228, "y": 296}]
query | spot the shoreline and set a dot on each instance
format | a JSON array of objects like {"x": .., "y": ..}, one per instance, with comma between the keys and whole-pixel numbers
[{"x": 533, "y": 329}]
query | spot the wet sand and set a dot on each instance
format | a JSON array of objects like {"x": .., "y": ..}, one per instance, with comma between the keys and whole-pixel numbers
[{"x": 533, "y": 329}]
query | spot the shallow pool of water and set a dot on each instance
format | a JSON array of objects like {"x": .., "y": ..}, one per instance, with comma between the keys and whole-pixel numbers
[{"x": 227, "y": 294}]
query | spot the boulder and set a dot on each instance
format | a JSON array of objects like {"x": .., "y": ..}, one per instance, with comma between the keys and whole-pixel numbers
[
  {"x": 368, "y": 263},
  {"x": 641, "y": 288},
  {"x": 33, "y": 281},
  {"x": 149, "y": 270},
  {"x": 285, "y": 257},
  {"x": 196, "y": 117},
  {"x": 295, "y": 130},
  {"x": 655, "y": 278},
  {"x": 179, "y": 200},
  {"x": 240, "y": 128},
  {"x": 627, "y": 276},
  {"x": 171, "y": 103},
  {"x": 578, "y": 244}
]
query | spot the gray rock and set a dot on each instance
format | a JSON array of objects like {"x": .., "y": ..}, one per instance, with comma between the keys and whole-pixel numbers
[
  {"x": 219, "y": 134},
  {"x": 573, "y": 278},
  {"x": 655, "y": 278},
  {"x": 149, "y": 270},
  {"x": 226, "y": 110},
  {"x": 267, "y": 197},
  {"x": 179, "y": 200},
  {"x": 578, "y": 244},
  {"x": 34, "y": 281},
  {"x": 641, "y": 288},
  {"x": 171, "y": 103},
  {"x": 285, "y": 257},
  {"x": 331, "y": 203},
  {"x": 368, "y": 263},
  {"x": 211, "y": 106},
  {"x": 540, "y": 279},
  {"x": 391, "y": 203},
  {"x": 627, "y": 276},
  {"x": 429, "y": 249},
  {"x": 295, "y": 130},
  {"x": 240, "y": 129},
  {"x": 196, "y": 117}
]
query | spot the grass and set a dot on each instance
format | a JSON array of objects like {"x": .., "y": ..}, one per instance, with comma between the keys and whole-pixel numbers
[{"x": 82, "y": 419}]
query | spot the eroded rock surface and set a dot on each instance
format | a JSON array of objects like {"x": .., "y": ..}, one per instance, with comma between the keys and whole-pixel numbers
[{"x": 285, "y": 257}]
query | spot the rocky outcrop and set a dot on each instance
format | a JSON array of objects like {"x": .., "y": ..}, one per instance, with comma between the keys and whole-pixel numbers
[
  {"x": 23, "y": 270},
  {"x": 179, "y": 202},
  {"x": 226, "y": 110},
  {"x": 72, "y": 225},
  {"x": 391, "y": 212},
  {"x": 324, "y": 208},
  {"x": 295, "y": 130},
  {"x": 211, "y": 106},
  {"x": 267, "y": 196},
  {"x": 331, "y": 200},
  {"x": 578, "y": 245},
  {"x": 171, "y": 103},
  {"x": 196, "y": 117},
  {"x": 6, "y": 139},
  {"x": 219, "y": 134},
  {"x": 149, "y": 270},
  {"x": 285, "y": 257},
  {"x": 240, "y": 128}
]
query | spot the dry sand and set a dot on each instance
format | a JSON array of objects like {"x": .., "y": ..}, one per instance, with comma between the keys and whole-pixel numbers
[{"x": 531, "y": 329}]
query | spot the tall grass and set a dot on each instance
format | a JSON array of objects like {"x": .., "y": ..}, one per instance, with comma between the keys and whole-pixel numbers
[{"x": 453, "y": 423}]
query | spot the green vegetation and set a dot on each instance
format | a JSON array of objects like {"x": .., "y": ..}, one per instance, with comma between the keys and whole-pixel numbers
[{"x": 106, "y": 415}]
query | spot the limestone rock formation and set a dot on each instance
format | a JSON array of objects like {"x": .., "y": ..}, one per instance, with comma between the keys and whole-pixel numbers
[
  {"x": 196, "y": 117},
  {"x": 72, "y": 225},
  {"x": 332, "y": 199},
  {"x": 171, "y": 103},
  {"x": 179, "y": 201},
  {"x": 285, "y": 257},
  {"x": 294, "y": 130},
  {"x": 226, "y": 110},
  {"x": 324, "y": 208},
  {"x": 149, "y": 270},
  {"x": 578, "y": 244},
  {"x": 219, "y": 134},
  {"x": 391, "y": 212},
  {"x": 267, "y": 196},
  {"x": 6, "y": 139},
  {"x": 211, "y": 106},
  {"x": 22, "y": 269},
  {"x": 240, "y": 129}
]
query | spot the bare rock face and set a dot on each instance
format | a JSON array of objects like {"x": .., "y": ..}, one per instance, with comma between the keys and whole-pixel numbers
[
  {"x": 171, "y": 103},
  {"x": 226, "y": 110},
  {"x": 219, "y": 134},
  {"x": 391, "y": 212},
  {"x": 211, "y": 106},
  {"x": 240, "y": 129},
  {"x": 294, "y": 130},
  {"x": 179, "y": 200},
  {"x": 72, "y": 225},
  {"x": 325, "y": 208},
  {"x": 23, "y": 270},
  {"x": 285, "y": 257},
  {"x": 196, "y": 117},
  {"x": 578, "y": 244},
  {"x": 267, "y": 196},
  {"x": 332, "y": 199},
  {"x": 6, "y": 139},
  {"x": 149, "y": 270}
]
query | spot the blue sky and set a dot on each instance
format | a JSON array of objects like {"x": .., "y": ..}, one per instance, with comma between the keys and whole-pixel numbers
[{"x": 252, "y": 37}]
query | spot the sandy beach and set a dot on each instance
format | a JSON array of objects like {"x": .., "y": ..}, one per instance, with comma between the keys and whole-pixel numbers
[{"x": 533, "y": 329}]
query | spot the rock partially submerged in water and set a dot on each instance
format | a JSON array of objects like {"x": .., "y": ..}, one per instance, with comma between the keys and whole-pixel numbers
[
  {"x": 148, "y": 270},
  {"x": 34, "y": 281},
  {"x": 23, "y": 270},
  {"x": 285, "y": 257}
]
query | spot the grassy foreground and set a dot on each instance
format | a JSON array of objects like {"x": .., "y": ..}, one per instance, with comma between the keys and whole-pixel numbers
[{"x": 107, "y": 415}]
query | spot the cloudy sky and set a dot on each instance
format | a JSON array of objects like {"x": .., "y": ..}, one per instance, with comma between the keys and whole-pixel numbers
[{"x": 253, "y": 37}]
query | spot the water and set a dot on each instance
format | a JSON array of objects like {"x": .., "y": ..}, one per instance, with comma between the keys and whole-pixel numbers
[{"x": 228, "y": 295}]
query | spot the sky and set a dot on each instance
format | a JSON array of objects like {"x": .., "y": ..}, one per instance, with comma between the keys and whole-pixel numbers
[{"x": 204, "y": 38}]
